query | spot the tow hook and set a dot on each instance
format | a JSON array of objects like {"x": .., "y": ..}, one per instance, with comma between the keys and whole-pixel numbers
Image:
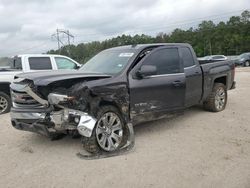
[{"x": 125, "y": 149}]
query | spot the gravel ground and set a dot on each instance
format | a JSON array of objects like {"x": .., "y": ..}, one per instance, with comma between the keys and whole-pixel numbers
[{"x": 198, "y": 149}]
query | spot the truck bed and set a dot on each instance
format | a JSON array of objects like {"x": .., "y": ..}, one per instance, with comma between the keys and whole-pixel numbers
[{"x": 212, "y": 71}]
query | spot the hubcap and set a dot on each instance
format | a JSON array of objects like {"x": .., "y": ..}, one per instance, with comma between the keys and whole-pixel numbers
[
  {"x": 247, "y": 64},
  {"x": 220, "y": 99},
  {"x": 109, "y": 131},
  {"x": 3, "y": 104}
]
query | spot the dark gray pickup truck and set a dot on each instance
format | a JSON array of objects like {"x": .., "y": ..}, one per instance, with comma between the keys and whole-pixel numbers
[{"x": 119, "y": 86}]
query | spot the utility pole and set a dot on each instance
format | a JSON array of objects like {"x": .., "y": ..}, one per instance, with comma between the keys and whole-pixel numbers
[
  {"x": 59, "y": 36},
  {"x": 58, "y": 39},
  {"x": 68, "y": 34}
]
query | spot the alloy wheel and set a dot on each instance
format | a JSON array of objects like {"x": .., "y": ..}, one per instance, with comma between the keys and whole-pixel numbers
[
  {"x": 109, "y": 131},
  {"x": 220, "y": 98},
  {"x": 3, "y": 104}
]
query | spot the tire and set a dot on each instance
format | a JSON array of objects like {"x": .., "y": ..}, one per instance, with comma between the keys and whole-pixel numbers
[
  {"x": 247, "y": 64},
  {"x": 93, "y": 144},
  {"x": 5, "y": 103},
  {"x": 217, "y": 99}
]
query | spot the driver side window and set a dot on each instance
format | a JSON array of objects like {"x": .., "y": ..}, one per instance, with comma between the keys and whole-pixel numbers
[{"x": 166, "y": 61}]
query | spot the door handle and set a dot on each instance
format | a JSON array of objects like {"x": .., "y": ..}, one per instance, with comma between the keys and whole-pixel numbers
[{"x": 177, "y": 83}]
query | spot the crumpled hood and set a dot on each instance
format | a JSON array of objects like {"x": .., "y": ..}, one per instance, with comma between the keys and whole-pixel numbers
[{"x": 44, "y": 78}]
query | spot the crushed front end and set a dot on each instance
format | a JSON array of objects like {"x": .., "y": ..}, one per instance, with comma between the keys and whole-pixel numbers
[{"x": 46, "y": 115}]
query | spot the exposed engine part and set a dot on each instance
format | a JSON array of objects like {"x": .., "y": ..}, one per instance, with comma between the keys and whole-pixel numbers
[
  {"x": 126, "y": 148},
  {"x": 82, "y": 121},
  {"x": 58, "y": 119}
]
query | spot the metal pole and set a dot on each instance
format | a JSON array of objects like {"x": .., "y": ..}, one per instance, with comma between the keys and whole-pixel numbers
[
  {"x": 58, "y": 40},
  {"x": 68, "y": 37}
]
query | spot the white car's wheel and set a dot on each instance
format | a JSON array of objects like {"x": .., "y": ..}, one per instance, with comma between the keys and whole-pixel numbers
[{"x": 5, "y": 103}]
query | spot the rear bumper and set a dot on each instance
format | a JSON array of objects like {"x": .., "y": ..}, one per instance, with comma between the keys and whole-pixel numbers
[{"x": 233, "y": 85}]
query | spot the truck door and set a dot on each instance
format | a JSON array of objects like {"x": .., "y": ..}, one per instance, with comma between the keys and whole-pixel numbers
[
  {"x": 154, "y": 93},
  {"x": 193, "y": 74}
]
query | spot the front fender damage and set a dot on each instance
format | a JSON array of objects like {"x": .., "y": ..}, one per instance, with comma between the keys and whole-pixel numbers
[{"x": 83, "y": 103}]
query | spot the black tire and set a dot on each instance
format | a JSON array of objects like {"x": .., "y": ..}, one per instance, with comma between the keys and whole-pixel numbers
[
  {"x": 247, "y": 64},
  {"x": 6, "y": 98},
  {"x": 210, "y": 103},
  {"x": 91, "y": 144}
]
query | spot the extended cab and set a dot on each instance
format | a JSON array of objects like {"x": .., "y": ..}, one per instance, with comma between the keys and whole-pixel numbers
[
  {"x": 119, "y": 86},
  {"x": 29, "y": 63}
]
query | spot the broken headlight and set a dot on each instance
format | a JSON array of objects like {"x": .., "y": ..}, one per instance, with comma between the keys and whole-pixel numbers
[{"x": 57, "y": 99}]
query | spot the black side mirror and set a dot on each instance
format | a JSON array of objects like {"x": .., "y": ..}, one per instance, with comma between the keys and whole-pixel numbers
[
  {"x": 146, "y": 70},
  {"x": 78, "y": 66}
]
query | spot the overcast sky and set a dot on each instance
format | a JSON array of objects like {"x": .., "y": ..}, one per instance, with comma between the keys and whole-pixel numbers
[{"x": 26, "y": 26}]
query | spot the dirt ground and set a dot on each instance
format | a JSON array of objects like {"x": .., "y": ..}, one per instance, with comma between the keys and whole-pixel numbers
[{"x": 198, "y": 149}]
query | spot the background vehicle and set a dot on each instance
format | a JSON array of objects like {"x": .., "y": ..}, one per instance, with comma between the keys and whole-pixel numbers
[
  {"x": 213, "y": 58},
  {"x": 29, "y": 63},
  {"x": 117, "y": 87},
  {"x": 243, "y": 60}
]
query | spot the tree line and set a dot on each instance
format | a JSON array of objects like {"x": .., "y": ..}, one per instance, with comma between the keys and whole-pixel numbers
[{"x": 228, "y": 38}]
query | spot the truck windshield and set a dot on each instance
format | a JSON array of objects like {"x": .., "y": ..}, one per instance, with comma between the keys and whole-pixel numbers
[{"x": 108, "y": 62}]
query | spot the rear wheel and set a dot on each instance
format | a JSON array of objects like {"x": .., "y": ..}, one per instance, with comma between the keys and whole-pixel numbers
[
  {"x": 109, "y": 133},
  {"x": 5, "y": 103},
  {"x": 217, "y": 99}
]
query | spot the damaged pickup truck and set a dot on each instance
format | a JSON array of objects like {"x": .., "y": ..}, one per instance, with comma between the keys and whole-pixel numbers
[{"x": 119, "y": 86}]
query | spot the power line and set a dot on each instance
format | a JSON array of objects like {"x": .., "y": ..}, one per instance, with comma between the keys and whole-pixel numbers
[
  {"x": 173, "y": 24},
  {"x": 59, "y": 35}
]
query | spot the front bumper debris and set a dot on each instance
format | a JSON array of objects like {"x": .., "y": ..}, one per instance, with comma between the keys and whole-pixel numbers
[
  {"x": 31, "y": 127},
  {"x": 48, "y": 121},
  {"x": 62, "y": 120},
  {"x": 233, "y": 85}
]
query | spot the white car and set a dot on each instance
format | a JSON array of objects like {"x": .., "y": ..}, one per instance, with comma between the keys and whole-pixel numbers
[
  {"x": 213, "y": 58},
  {"x": 29, "y": 63}
]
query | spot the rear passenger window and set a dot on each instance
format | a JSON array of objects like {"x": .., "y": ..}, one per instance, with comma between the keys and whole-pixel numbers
[
  {"x": 166, "y": 61},
  {"x": 40, "y": 63},
  {"x": 187, "y": 57}
]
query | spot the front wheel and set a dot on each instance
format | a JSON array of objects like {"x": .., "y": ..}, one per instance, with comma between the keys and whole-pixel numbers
[
  {"x": 109, "y": 133},
  {"x": 217, "y": 99},
  {"x": 5, "y": 103}
]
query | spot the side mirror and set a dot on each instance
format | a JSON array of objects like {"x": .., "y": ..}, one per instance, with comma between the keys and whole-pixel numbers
[
  {"x": 78, "y": 66},
  {"x": 146, "y": 70}
]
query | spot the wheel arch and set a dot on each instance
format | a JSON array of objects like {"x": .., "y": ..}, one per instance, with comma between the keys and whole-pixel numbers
[
  {"x": 109, "y": 103},
  {"x": 221, "y": 79},
  {"x": 5, "y": 87}
]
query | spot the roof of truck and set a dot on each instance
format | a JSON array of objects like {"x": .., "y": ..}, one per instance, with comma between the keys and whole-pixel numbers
[
  {"x": 142, "y": 46},
  {"x": 41, "y": 55}
]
